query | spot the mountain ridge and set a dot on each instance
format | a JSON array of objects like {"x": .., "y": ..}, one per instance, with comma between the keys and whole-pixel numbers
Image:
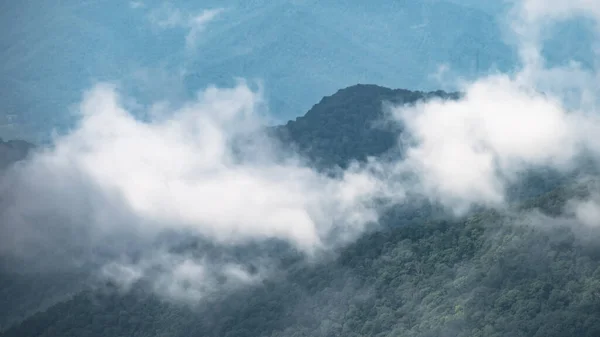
[
  {"x": 315, "y": 135},
  {"x": 12, "y": 151},
  {"x": 298, "y": 49},
  {"x": 482, "y": 275}
]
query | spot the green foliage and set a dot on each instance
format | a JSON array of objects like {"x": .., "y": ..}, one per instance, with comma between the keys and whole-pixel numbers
[
  {"x": 478, "y": 276},
  {"x": 351, "y": 124},
  {"x": 485, "y": 275},
  {"x": 105, "y": 314}
]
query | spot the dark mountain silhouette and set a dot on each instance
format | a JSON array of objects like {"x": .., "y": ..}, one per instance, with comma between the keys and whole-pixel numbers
[{"x": 351, "y": 124}]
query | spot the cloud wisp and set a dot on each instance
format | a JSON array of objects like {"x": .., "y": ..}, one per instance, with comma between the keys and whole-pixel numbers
[{"x": 168, "y": 17}]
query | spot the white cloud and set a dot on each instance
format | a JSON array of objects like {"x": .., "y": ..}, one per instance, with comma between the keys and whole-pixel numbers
[
  {"x": 168, "y": 17},
  {"x": 468, "y": 151},
  {"x": 547, "y": 10},
  {"x": 182, "y": 172},
  {"x": 587, "y": 212},
  {"x": 116, "y": 183},
  {"x": 123, "y": 274},
  {"x": 584, "y": 207},
  {"x": 115, "y": 176},
  {"x": 197, "y": 25}
]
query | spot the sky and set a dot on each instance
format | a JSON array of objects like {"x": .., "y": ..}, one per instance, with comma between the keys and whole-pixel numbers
[
  {"x": 128, "y": 174},
  {"x": 171, "y": 49},
  {"x": 161, "y": 49}
]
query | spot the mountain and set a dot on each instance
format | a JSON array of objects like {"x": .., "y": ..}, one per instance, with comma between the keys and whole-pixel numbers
[
  {"x": 350, "y": 124},
  {"x": 475, "y": 277},
  {"x": 298, "y": 49},
  {"x": 485, "y": 274},
  {"x": 309, "y": 48}
]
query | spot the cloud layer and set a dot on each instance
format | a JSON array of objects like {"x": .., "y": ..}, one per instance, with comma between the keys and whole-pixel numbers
[
  {"x": 116, "y": 184},
  {"x": 469, "y": 150},
  {"x": 109, "y": 192}
]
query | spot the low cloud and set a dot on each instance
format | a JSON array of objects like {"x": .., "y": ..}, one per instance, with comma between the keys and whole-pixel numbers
[
  {"x": 469, "y": 151},
  {"x": 551, "y": 10},
  {"x": 588, "y": 212},
  {"x": 108, "y": 191},
  {"x": 182, "y": 277},
  {"x": 530, "y": 19},
  {"x": 114, "y": 185}
]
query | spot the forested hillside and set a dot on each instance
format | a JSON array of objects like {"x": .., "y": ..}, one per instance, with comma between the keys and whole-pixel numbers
[
  {"x": 526, "y": 272},
  {"x": 276, "y": 41},
  {"x": 474, "y": 277},
  {"x": 351, "y": 124}
]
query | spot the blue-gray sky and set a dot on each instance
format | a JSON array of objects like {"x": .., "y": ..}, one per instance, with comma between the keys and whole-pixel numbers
[{"x": 51, "y": 51}]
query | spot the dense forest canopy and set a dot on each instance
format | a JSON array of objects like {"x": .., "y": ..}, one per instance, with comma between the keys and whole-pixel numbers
[{"x": 525, "y": 271}]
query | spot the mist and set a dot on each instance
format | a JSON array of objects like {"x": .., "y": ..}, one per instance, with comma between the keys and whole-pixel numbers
[
  {"x": 118, "y": 192},
  {"x": 116, "y": 186}
]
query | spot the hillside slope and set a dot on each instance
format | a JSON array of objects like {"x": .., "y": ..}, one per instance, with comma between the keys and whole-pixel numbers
[
  {"x": 485, "y": 275},
  {"x": 478, "y": 276},
  {"x": 351, "y": 124},
  {"x": 340, "y": 128}
]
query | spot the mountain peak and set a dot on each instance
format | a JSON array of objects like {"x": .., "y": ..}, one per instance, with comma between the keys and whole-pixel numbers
[{"x": 358, "y": 110}]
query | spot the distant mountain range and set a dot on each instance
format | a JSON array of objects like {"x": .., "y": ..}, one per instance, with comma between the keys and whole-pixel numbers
[
  {"x": 52, "y": 51},
  {"x": 301, "y": 50}
]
